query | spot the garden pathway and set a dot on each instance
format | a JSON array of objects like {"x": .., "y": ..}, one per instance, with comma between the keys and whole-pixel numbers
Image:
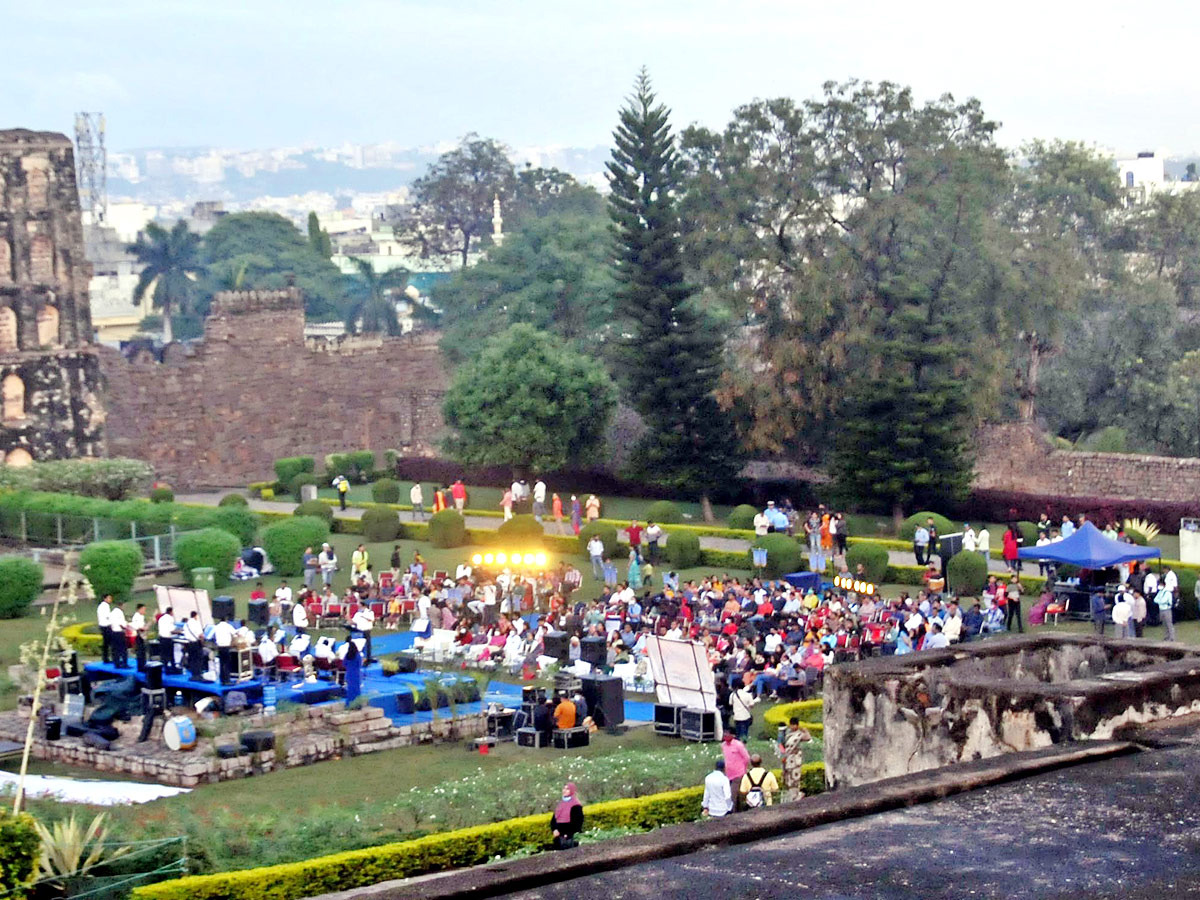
[{"x": 491, "y": 523}]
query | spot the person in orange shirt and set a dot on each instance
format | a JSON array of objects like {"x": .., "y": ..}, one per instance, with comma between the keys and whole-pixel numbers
[
  {"x": 556, "y": 510},
  {"x": 826, "y": 536},
  {"x": 439, "y": 500},
  {"x": 564, "y": 713}
]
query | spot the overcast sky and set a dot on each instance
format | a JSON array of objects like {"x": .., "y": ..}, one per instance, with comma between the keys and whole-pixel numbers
[{"x": 260, "y": 73}]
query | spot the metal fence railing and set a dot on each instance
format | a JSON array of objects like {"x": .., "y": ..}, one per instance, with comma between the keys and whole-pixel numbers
[{"x": 50, "y": 530}]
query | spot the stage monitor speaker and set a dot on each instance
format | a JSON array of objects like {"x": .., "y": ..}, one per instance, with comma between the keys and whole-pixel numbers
[
  {"x": 593, "y": 650},
  {"x": 222, "y": 608},
  {"x": 605, "y": 699},
  {"x": 558, "y": 645},
  {"x": 228, "y": 751},
  {"x": 92, "y": 739},
  {"x": 406, "y": 662},
  {"x": 154, "y": 676},
  {"x": 257, "y": 613},
  {"x": 255, "y": 741}
]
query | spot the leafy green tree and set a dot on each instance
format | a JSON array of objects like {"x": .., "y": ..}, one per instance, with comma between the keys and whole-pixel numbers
[
  {"x": 318, "y": 238},
  {"x": 452, "y": 203},
  {"x": 528, "y": 401},
  {"x": 553, "y": 273},
  {"x": 549, "y": 191},
  {"x": 171, "y": 263},
  {"x": 1169, "y": 232},
  {"x": 372, "y": 299},
  {"x": 669, "y": 356},
  {"x": 268, "y": 251}
]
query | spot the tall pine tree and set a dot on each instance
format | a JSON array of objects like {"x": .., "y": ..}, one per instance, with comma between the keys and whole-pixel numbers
[{"x": 669, "y": 357}]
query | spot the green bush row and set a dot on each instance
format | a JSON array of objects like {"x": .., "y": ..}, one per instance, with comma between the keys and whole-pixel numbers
[
  {"x": 436, "y": 852},
  {"x": 20, "y": 584},
  {"x": 84, "y": 637},
  {"x": 289, "y": 467},
  {"x": 108, "y": 479}
]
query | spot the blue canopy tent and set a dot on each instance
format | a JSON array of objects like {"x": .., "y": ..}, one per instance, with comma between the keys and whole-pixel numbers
[
  {"x": 1088, "y": 548},
  {"x": 804, "y": 580}
]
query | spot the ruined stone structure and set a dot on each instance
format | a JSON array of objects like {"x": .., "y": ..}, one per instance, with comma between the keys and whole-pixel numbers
[
  {"x": 49, "y": 372},
  {"x": 894, "y": 715},
  {"x": 1020, "y": 458},
  {"x": 221, "y": 411}
]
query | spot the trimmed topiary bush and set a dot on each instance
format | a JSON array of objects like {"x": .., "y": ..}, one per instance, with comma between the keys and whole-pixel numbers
[
  {"x": 385, "y": 490},
  {"x": 111, "y": 567},
  {"x": 20, "y": 849},
  {"x": 286, "y": 541},
  {"x": 683, "y": 549},
  {"x": 233, "y": 500},
  {"x": 298, "y": 481},
  {"x": 742, "y": 517},
  {"x": 1187, "y": 608},
  {"x": 519, "y": 531},
  {"x": 664, "y": 512},
  {"x": 162, "y": 495},
  {"x": 315, "y": 508},
  {"x": 20, "y": 584},
  {"x": 267, "y": 493},
  {"x": 214, "y": 548},
  {"x": 909, "y": 526},
  {"x": 1028, "y": 532},
  {"x": 380, "y": 525},
  {"x": 874, "y": 559},
  {"x": 447, "y": 529},
  {"x": 783, "y": 554},
  {"x": 240, "y": 521},
  {"x": 966, "y": 574},
  {"x": 607, "y": 534},
  {"x": 289, "y": 467},
  {"x": 354, "y": 465}
]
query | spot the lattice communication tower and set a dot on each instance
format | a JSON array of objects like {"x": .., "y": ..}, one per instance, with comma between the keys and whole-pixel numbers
[{"x": 91, "y": 163}]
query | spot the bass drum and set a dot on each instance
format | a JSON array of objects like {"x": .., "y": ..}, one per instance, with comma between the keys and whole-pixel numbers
[{"x": 179, "y": 733}]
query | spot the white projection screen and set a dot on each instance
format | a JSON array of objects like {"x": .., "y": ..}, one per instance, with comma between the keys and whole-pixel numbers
[
  {"x": 682, "y": 675},
  {"x": 183, "y": 601}
]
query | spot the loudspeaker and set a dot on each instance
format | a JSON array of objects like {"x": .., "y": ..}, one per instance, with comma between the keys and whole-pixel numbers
[
  {"x": 605, "y": 699},
  {"x": 406, "y": 662},
  {"x": 529, "y": 737},
  {"x": 154, "y": 676},
  {"x": 698, "y": 725},
  {"x": 593, "y": 650},
  {"x": 227, "y": 751},
  {"x": 53, "y": 728},
  {"x": 222, "y": 608},
  {"x": 533, "y": 694},
  {"x": 92, "y": 739},
  {"x": 558, "y": 645},
  {"x": 570, "y": 739},
  {"x": 76, "y": 729},
  {"x": 254, "y": 741},
  {"x": 257, "y": 613}
]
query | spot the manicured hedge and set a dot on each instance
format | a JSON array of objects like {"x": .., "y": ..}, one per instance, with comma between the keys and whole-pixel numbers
[
  {"x": 385, "y": 490},
  {"x": 213, "y": 548},
  {"x": 233, "y": 500},
  {"x": 804, "y": 710},
  {"x": 520, "y": 531},
  {"x": 20, "y": 584},
  {"x": 783, "y": 554},
  {"x": 111, "y": 567},
  {"x": 108, "y": 479},
  {"x": 966, "y": 574},
  {"x": 380, "y": 525},
  {"x": 162, "y": 495},
  {"x": 683, "y": 550},
  {"x": 240, "y": 521},
  {"x": 83, "y": 636},
  {"x": 316, "y": 509},
  {"x": 286, "y": 540},
  {"x": 742, "y": 517},
  {"x": 874, "y": 560},
  {"x": 151, "y": 518},
  {"x": 607, "y": 534},
  {"x": 447, "y": 529},
  {"x": 664, "y": 512},
  {"x": 436, "y": 852},
  {"x": 20, "y": 848},
  {"x": 289, "y": 467},
  {"x": 296, "y": 482},
  {"x": 355, "y": 465},
  {"x": 1005, "y": 506},
  {"x": 909, "y": 527}
]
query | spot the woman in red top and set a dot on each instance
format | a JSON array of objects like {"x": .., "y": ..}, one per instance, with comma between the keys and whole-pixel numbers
[{"x": 1011, "y": 542}]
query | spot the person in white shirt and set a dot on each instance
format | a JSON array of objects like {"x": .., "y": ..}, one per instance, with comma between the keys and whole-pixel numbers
[
  {"x": 363, "y": 622},
  {"x": 984, "y": 542},
  {"x": 1150, "y": 586},
  {"x": 539, "y": 499},
  {"x": 267, "y": 650},
  {"x": 952, "y": 626},
  {"x": 116, "y": 630},
  {"x": 103, "y": 616},
  {"x": 936, "y": 639},
  {"x": 137, "y": 622},
  {"x": 300, "y": 618},
  {"x": 417, "y": 498},
  {"x": 653, "y": 535},
  {"x": 328, "y": 562},
  {"x": 166, "y": 639},
  {"x": 718, "y": 799},
  {"x": 1122, "y": 612},
  {"x": 970, "y": 540},
  {"x": 761, "y": 523},
  {"x": 223, "y": 633},
  {"x": 285, "y": 598},
  {"x": 595, "y": 549},
  {"x": 299, "y": 646}
]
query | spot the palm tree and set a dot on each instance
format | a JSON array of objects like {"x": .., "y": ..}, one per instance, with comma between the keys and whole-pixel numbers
[
  {"x": 172, "y": 263},
  {"x": 372, "y": 306}
]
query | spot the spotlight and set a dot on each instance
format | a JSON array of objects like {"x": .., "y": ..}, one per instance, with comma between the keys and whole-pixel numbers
[
  {"x": 477, "y": 559},
  {"x": 489, "y": 558},
  {"x": 517, "y": 559},
  {"x": 501, "y": 559},
  {"x": 541, "y": 560}
]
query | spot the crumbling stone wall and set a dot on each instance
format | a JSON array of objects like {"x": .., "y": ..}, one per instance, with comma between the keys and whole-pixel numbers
[
  {"x": 220, "y": 411},
  {"x": 49, "y": 371},
  {"x": 1019, "y": 458},
  {"x": 892, "y": 716}
]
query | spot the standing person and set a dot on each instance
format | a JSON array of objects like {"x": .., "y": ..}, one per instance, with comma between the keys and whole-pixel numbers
[
  {"x": 1011, "y": 542},
  {"x": 506, "y": 503},
  {"x": 439, "y": 500},
  {"x": 1013, "y": 600},
  {"x": 416, "y": 496},
  {"x": 311, "y": 564},
  {"x": 329, "y": 562},
  {"x": 985, "y": 543},
  {"x": 840, "y": 531},
  {"x": 970, "y": 540},
  {"x": 556, "y": 510},
  {"x": 193, "y": 634},
  {"x": 654, "y": 534},
  {"x": 737, "y": 761},
  {"x": 1099, "y": 612},
  {"x": 576, "y": 515},
  {"x": 762, "y": 525},
  {"x": 635, "y": 537},
  {"x": 595, "y": 549},
  {"x": 1164, "y": 600},
  {"x": 741, "y": 700},
  {"x": 539, "y": 499},
  {"x": 792, "y": 753},
  {"x": 920, "y": 544},
  {"x": 592, "y": 508},
  {"x": 343, "y": 487},
  {"x": 116, "y": 630},
  {"x": 1137, "y": 616},
  {"x": 364, "y": 622},
  {"x": 717, "y": 800},
  {"x": 138, "y": 623},
  {"x": 758, "y": 787},
  {"x": 458, "y": 491},
  {"x": 166, "y": 640},
  {"x": 103, "y": 618},
  {"x": 567, "y": 820},
  {"x": 1122, "y": 614},
  {"x": 360, "y": 561}
]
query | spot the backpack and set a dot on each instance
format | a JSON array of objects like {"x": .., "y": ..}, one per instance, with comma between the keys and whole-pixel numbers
[{"x": 754, "y": 796}]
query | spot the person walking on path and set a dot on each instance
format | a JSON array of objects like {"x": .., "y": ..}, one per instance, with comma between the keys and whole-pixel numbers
[
  {"x": 343, "y": 488},
  {"x": 576, "y": 515},
  {"x": 920, "y": 544},
  {"x": 417, "y": 498},
  {"x": 506, "y": 504},
  {"x": 791, "y": 751},
  {"x": 592, "y": 507},
  {"x": 556, "y": 510},
  {"x": 458, "y": 491}
]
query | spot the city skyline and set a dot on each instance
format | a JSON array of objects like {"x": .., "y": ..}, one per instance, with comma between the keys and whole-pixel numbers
[{"x": 270, "y": 74}]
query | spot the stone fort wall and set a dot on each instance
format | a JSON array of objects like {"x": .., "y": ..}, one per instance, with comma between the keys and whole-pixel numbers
[
  {"x": 1019, "y": 458},
  {"x": 220, "y": 411}
]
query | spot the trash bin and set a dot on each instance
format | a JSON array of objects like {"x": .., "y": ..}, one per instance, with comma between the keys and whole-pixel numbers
[
  {"x": 203, "y": 579},
  {"x": 53, "y": 728}
]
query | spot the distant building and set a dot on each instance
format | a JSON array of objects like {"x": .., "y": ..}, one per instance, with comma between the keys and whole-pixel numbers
[
  {"x": 115, "y": 272},
  {"x": 1145, "y": 175}
]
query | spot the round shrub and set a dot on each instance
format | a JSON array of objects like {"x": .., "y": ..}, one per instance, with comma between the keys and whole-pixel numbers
[
  {"x": 111, "y": 567},
  {"x": 286, "y": 541},
  {"x": 316, "y": 509},
  {"x": 783, "y": 554},
  {"x": 380, "y": 525},
  {"x": 240, "y": 521},
  {"x": 742, "y": 517},
  {"x": 1028, "y": 532},
  {"x": 909, "y": 526},
  {"x": 683, "y": 549},
  {"x": 1187, "y": 608},
  {"x": 267, "y": 493},
  {"x": 874, "y": 559},
  {"x": 162, "y": 495},
  {"x": 385, "y": 490},
  {"x": 233, "y": 500},
  {"x": 214, "y": 548},
  {"x": 20, "y": 584},
  {"x": 966, "y": 574},
  {"x": 664, "y": 512},
  {"x": 84, "y": 637},
  {"x": 298, "y": 481},
  {"x": 519, "y": 531},
  {"x": 606, "y": 533},
  {"x": 447, "y": 529}
]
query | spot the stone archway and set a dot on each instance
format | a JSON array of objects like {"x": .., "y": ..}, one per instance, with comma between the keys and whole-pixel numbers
[
  {"x": 12, "y": 399},
  {"x": 8, "y": 330},
  {"x": 47, "y": 326},
  {"x": 6, "y": 274},
  {"x": 41, "y": 259},
  {"x": 18, "y": 458}
]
